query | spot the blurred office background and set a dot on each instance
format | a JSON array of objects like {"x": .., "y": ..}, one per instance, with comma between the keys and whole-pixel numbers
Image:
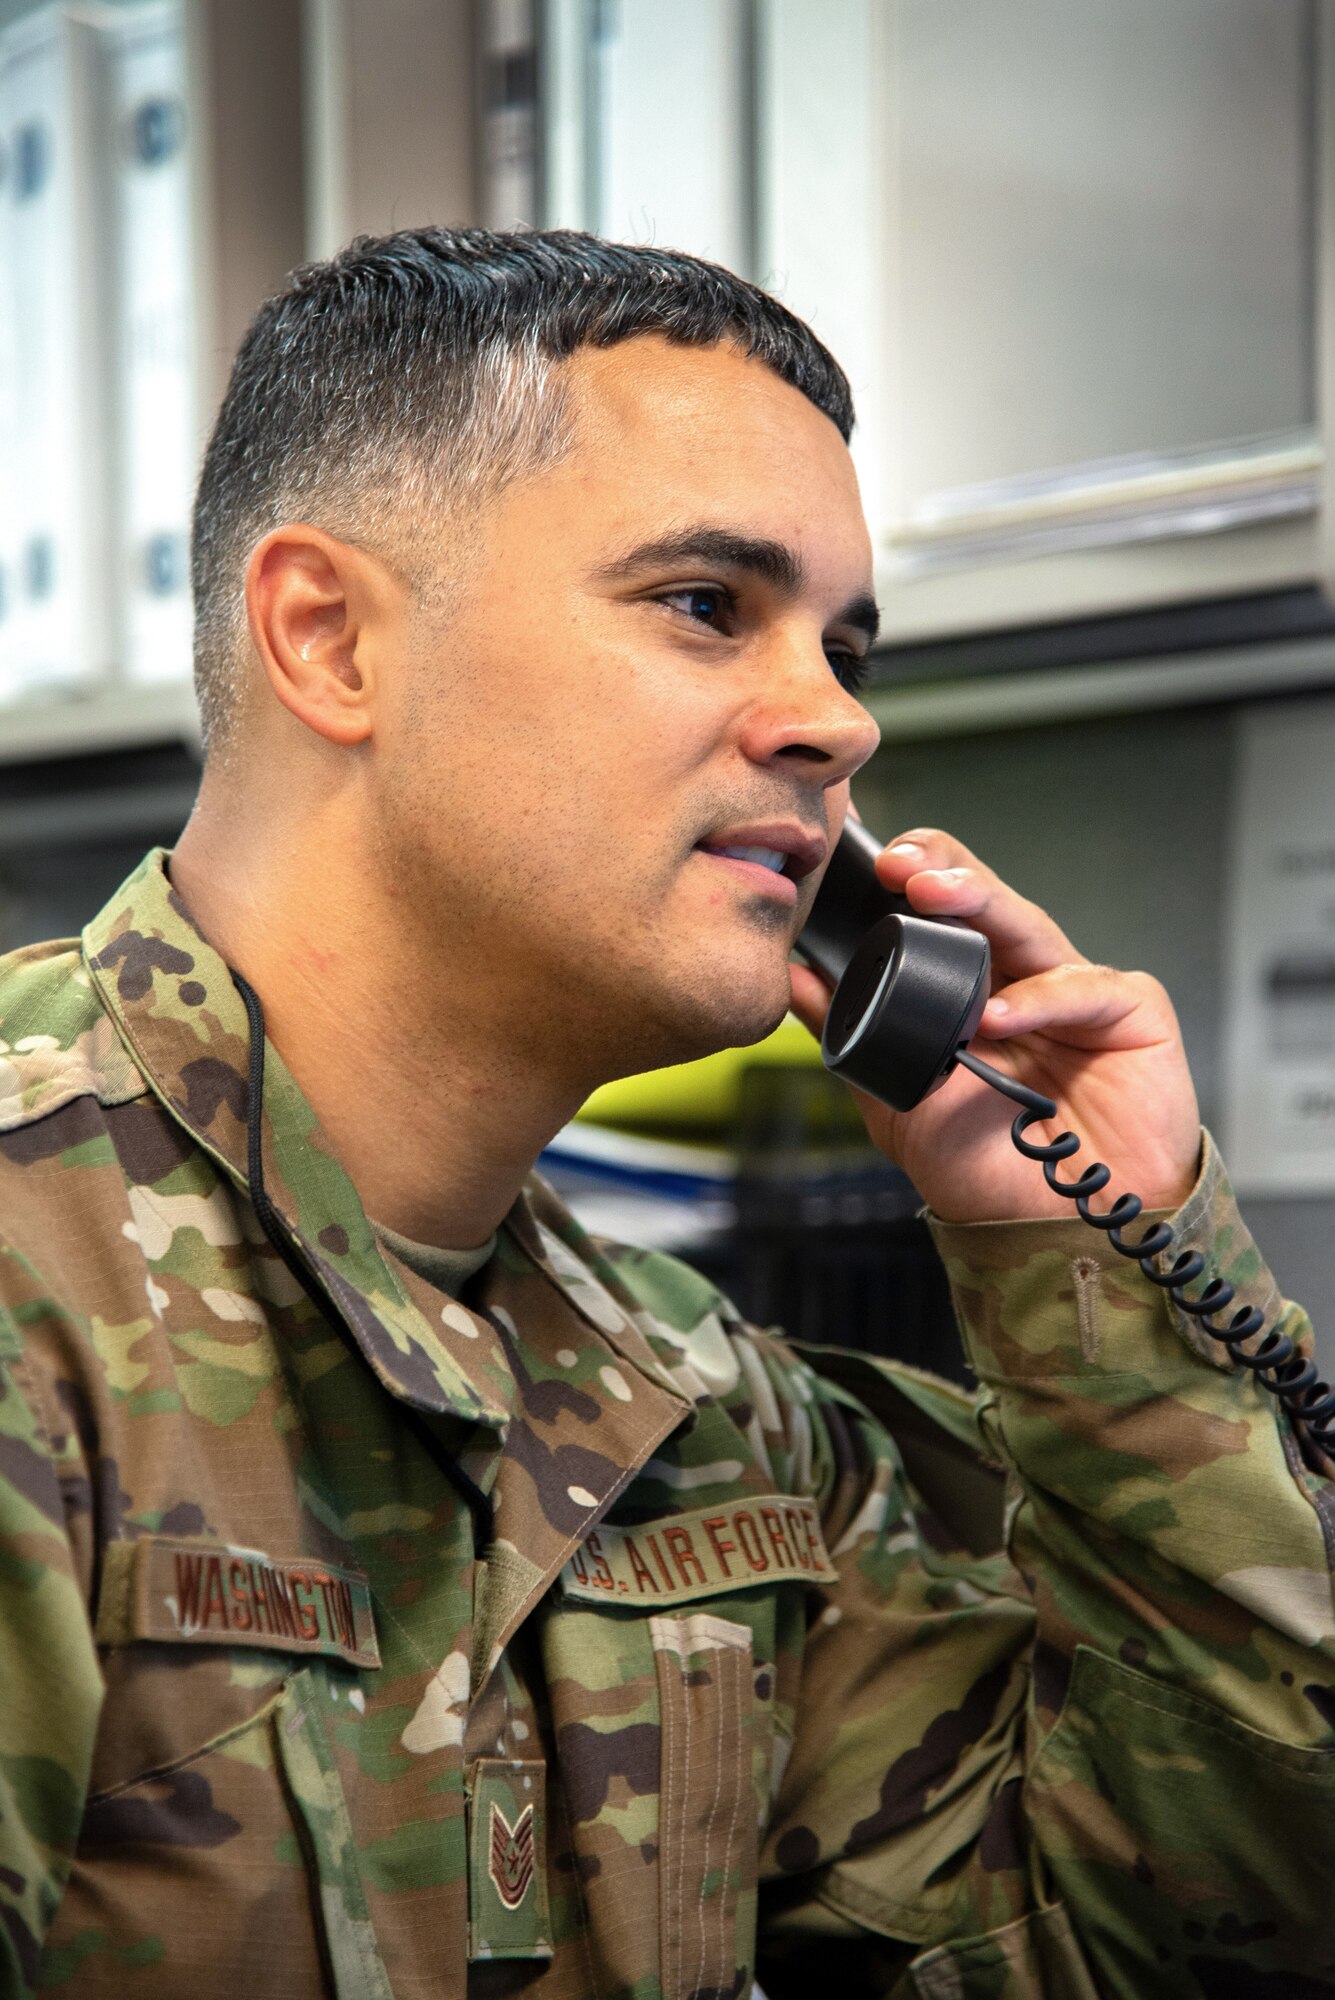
[{"x": 1077, "y": 262}]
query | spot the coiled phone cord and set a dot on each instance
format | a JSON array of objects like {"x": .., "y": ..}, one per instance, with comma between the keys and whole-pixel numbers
[{"x": 1276, "y": 1363}]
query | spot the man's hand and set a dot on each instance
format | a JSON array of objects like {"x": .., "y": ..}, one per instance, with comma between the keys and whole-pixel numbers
[{"x": 1104, "y": 1044}]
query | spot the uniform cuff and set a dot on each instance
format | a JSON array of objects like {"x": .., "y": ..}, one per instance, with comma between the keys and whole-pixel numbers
[
  {"x": 1023, "y": 1258},
  {"x": 1027, "y": 1236}
]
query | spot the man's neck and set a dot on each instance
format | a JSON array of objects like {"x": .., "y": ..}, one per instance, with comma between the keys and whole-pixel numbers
[{"x": 430, "y": 1108}]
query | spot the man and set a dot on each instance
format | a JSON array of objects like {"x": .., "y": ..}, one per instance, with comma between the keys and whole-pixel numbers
[{"x": 404, "y": 1595}]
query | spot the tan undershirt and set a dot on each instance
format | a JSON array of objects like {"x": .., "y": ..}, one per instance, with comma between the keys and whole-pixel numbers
[{"x": 448, "y": 1270}]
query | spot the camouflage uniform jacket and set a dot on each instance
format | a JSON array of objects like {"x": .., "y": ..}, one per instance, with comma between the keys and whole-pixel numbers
[{"x": 755, "y": 1651}]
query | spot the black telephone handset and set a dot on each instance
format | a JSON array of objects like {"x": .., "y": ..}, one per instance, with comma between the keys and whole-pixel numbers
[
  {"x": 908, "y": 995},
  {"x": 909, "y": 990}
]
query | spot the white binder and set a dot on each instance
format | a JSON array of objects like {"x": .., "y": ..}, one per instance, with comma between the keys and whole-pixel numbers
[
  {"x": 9, "y": 409},
  {"x": 156, "y": 409},
  {"x": 56, "y": 631}
]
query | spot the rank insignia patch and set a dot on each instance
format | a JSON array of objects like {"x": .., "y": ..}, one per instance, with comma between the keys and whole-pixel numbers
[
  {"x": 511, "y": 1855},
  {"x": 507, "y": 1859}
]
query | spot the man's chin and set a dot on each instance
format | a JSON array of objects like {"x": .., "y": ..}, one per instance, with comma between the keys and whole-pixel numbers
[{"x": 687, "y": 1027}]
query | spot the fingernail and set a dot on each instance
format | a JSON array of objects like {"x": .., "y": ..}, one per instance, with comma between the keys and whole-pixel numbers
[
  {"x": 951, "y": 874},
  {"x": 998, "y": 1006},
  {"x": 909, "y": 849}
]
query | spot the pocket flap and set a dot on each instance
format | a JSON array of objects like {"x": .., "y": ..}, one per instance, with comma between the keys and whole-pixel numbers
[{"x": 1036, "y": 1958}]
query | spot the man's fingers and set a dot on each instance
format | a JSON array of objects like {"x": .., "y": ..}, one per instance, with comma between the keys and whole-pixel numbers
[
  {"x": 1086, "y": 1006},
  {"x": 922, "y": 847},
  {"x": 941, "y": 877}
]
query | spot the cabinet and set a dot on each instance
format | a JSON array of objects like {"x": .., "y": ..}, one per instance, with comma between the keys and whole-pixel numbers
[{"x": 1071, "y": 258}]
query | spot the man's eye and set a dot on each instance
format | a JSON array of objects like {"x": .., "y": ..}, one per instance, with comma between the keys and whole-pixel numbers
[
  {"x": 707, "y": 604},
  {"x": 850, "y": 671}
]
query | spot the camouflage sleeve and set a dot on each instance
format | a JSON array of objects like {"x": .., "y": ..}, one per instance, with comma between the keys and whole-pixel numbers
[
  {"x": 49, "y": 1672},
  {"x": 1179, "y": 1769},
  {"x": 1165, "y": 1514}
]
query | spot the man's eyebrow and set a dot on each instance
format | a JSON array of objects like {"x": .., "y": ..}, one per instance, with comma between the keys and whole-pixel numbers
[{"x": 773, "y": 562}]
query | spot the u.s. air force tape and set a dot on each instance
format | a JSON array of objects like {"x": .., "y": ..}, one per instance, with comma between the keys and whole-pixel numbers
[{"x": 706, "y": 1553}]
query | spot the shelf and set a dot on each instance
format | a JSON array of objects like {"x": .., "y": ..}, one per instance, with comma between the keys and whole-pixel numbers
[
  {"x": 1019, "y": 700},
  {"x": 111, "y": 718}
]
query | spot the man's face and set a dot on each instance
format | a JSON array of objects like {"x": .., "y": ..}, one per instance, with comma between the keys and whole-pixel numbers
[{"x": 611, "y": 775}]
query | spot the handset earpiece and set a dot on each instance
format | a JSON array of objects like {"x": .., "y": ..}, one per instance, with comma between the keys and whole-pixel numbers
[
  {"x": 910, "y": 990},
  {"x": 910, "y": 999}
]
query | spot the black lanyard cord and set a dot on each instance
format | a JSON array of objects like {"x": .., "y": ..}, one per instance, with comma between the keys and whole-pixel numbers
[{"x": 271, "y": 1222}]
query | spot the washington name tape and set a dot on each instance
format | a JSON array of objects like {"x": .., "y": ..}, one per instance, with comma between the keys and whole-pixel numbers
[
  {"x": 706, "y": 1553},
  {"x": 195, "y": 1592}
]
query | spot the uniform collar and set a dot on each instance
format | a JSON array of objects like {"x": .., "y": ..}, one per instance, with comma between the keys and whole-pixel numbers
[{"x": 174, "y": 1005}]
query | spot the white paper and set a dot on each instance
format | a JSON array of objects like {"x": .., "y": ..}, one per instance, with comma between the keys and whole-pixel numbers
[
  {"x": 1280, "y": 1014},
  {"x": 158, "y": 445},
  {"x": 55, "y": 630},
  {"x": 9, "y": 424}
]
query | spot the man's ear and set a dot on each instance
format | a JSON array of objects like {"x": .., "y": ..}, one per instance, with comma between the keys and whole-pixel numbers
[{"x": 311, "y": 601}]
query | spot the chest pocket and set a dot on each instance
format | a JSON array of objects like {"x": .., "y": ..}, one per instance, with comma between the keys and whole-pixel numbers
[
  {"x": 660, "y": 1660},
  {"x": 708, "y": 1814},
  {"x": 663, "y": 1757},
  {"x": 188, "y": 1830},
  {"x": 1194, "y": 1849},
  {"x": 198, "y": 1637}
]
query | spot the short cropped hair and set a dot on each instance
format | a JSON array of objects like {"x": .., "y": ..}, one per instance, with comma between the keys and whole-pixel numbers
[{"x": 418, "y": 370}]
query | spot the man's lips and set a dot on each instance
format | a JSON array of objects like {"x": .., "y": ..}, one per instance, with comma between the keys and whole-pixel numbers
[
  {"x": 786, "y": 845},
  {"x": 769, "y": 856},
  {"x": 780, "y": 888}
]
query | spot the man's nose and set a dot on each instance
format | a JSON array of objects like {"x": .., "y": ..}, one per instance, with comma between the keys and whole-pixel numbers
[{"x": 804, "y": 715}]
